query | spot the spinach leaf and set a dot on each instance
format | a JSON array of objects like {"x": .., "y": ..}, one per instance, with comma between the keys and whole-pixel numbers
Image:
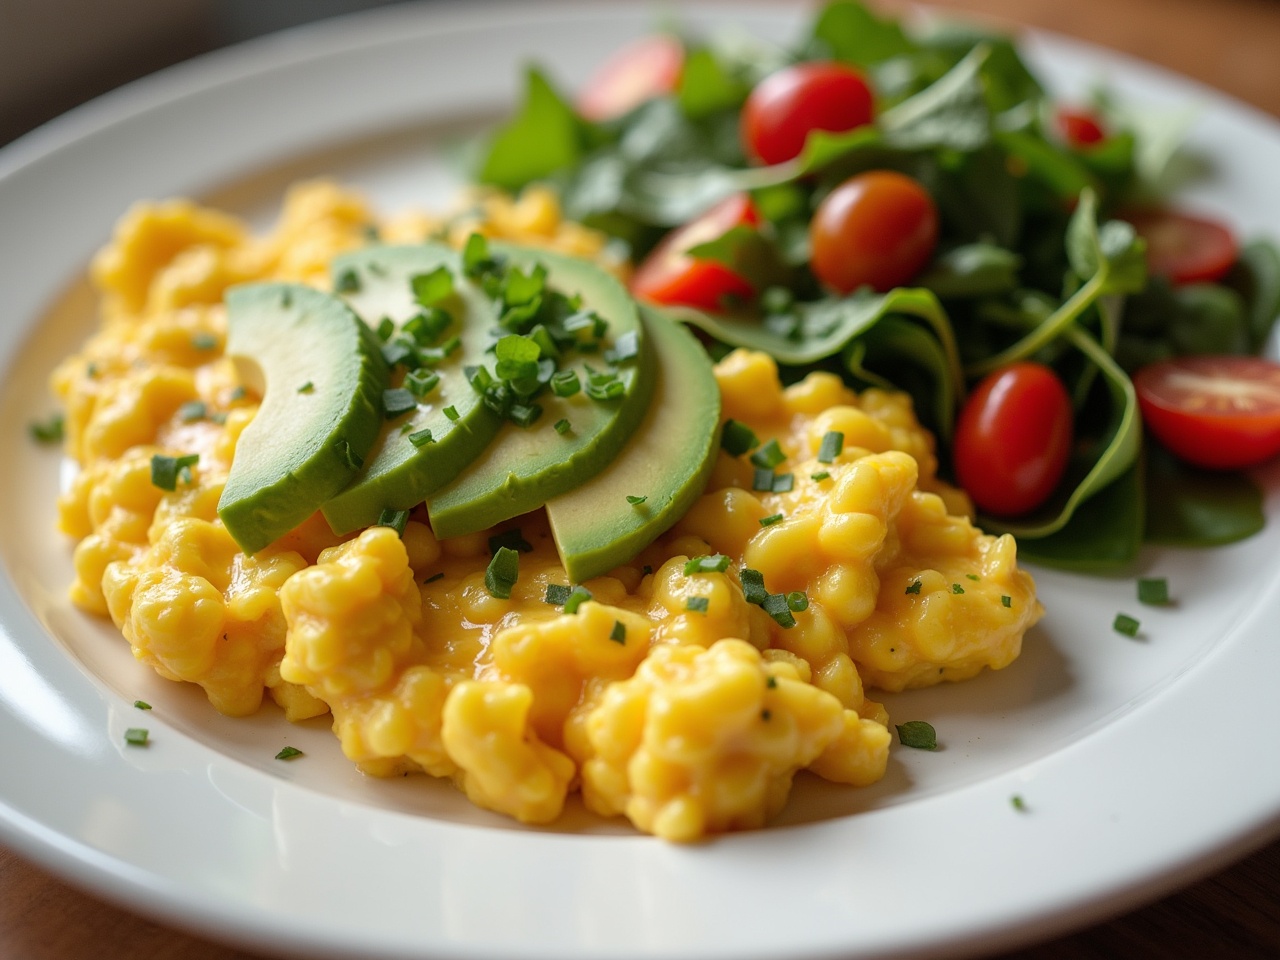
[
  {"x": 1188, "y": 507},
  {"x": 706, "y": 86},
  {"x": 950, "y": 114},
  {"x": 1104, "y": 534},
  {"x": 850, "y": 32},
  {"x": 972, "y": 270},
  {"x": 748, "y": 253},
  {"x": 544, "y": 137},
  {"x": 899, "y": 354},
  {"x": 1256, "y": 277}
]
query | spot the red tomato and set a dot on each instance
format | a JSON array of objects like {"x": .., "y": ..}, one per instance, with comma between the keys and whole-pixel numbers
[
  {"x": 1216, "y": 412},
  {"x": 786, "y": 106},
  {"x": 1080, "y": 128},
  {"x": 1013, "y": 439},
  {"x": 669, "y": 275},
  {"x": 1184, "y": 249},
  {"x": 640, "y": 71},
  {"x": 876, "y": 229}
]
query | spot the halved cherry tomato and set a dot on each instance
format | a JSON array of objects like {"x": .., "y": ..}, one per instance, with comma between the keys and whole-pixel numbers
[
  {"x": 640, "y": 71},
  {"x": 1182, "y": 248},
  {"x": 1013, "y": 438},
  {"x": 1080, "y": 128},
  {"x": 786, "y": 106},
  {"x": 876, "y": 229},
  {"x": 1216, "y": 412},
  {"x": 669, "y": 275}
]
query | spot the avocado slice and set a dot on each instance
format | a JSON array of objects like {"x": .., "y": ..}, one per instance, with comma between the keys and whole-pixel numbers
[
  {"x": 667, "y": 461},
  {"x": 321, "y": 375},
  {"x": 378, "y": 283},
  {"x": 525, "y": 467}
]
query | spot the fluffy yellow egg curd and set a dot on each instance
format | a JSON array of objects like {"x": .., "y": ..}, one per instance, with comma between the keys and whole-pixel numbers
[{"x": 687, "y": 718}]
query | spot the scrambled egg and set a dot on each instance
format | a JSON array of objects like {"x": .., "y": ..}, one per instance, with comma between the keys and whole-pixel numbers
[{"x": 686, "y": 720}]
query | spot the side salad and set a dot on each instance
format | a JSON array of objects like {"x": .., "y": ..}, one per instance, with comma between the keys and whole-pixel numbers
[{"x": 912, "y": 208}]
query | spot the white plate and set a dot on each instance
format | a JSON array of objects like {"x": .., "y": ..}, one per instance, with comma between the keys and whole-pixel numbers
[{"x": 1142, "y": 762}]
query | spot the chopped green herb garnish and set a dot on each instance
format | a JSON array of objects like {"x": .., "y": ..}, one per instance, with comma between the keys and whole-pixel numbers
[
  {"x": 1126, "y": 624},
  {"x": 218, "y": 417},
  {"x": 766, "y": 716},
  {"x": 398, "y": 352},
  {"x": 918, "y": 734},
  {"x": 166, "y": 470},
  {"x": 191, "y": 411},
  {"x": 784, "y": 482},
  {"x": 288, "y": 753},
  {"x": 771, "y": 682},
  {"x": 348, "y": 455},
  {"x": 136, "y": 737},
  {"x": 619, "y": 632},
  {"x": 831, "y": 446},
  {"x": 956, "y": 588},
  {"x": 1153, "y": 591},
  {"x": 426, "y": 328},
  {"x": 475, "y": 257},
  {"x": 142, "y": 705},
  {"x": 451, "y": 412},
  {"x": 420, "y": 438},
  {"x": 771, "y": 520},
  {"x": 768, "y": 456},
  {"x": 626, "y": 347},
  {"x": 1018, "y": 803},
  {"x": 565, "y": 383},
  {"x": 762, "y": 480},
  {"x": 51, "y": 431},
  {"x": 972, "y": 576},
  {"x": 913, "y": 586},
  {"x": 717, "y": 563},
  {"x": 307, "y": 387},
  {"x": 433, "y": 578},
  {"x": 502, "y": 573},
  {"x": 577, "y": 597},
  {"x": 737, "y": 438},
  {"x": 421, "y": 382},
  {"x": 557, "y": 594},
  {"x": 517, "y": 358},
  {"x": 512, "y": 539},
  {"x": 204, "y": 341},
  {"x": 753, "y": 585},
  {"x": 348, "y": 281},
  {"x": 776, "y": 606},
  {"x": 1007, "y": 600},
  {"x": 524, "y": 414},
  {"x": 797, "y": 601},
  {"x": 430, "y": 288},
  {"x": 604, "y": 386},
  {"x": 635, "y": 501},
  {"x": 386, "y": 327},
  {"x": 395, "y": 519},
  {"x": 398, "y": 401},
  {"x": 697, "y": 604},
  {"x": 91, "y": 370},
  {"x": 646, "y": 570},
  {"x": 237, "y": 393},
  {"x": 820, "y": 475},
  {"x": 562, "y": 426}
]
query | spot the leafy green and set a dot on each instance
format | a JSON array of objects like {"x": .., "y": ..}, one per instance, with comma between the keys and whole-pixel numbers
[
  {"x": 545, "y": 136},
  {"x": 852, "y": 33},
  {"x": 1188, "y": 507}
]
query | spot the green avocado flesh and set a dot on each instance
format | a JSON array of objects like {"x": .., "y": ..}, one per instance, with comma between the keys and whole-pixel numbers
[
  {"x": 524, "y": 467},
  {"x": 321, "y": 374},
  {"x": 397, "y": 474},
  {"x": 667, "y": 461}
]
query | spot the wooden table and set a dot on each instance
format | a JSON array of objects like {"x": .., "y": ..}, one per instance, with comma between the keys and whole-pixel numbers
[{"x": 1230, "y": 44}]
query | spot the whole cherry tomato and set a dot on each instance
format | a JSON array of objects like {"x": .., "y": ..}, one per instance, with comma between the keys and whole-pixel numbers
[
  {"x": 1216, "y": 412},
  {"x": 669, "y": 275},
  {"x": 786, "y": 106},
  {"x": 1013, "y": 438},
  {"x": 1182, "y": 248},
  {"x": 875, "y": 229},
  {"x": 1080, "y": 128},
  {"x": 640, "y": 71}
]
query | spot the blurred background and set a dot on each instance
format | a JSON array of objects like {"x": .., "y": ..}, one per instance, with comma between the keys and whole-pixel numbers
[{"x": 55, "y": 54}]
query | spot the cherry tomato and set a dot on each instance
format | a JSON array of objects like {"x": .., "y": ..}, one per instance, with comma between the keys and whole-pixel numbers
[
  {"x": 1182, "y": 248},
  {"x": 669, "y": 275},
  {"x": 1216, "y": 412},
  {"x": 876, "y": 229},
  {"x": 786, "y": 106},
  {"x": 640, "y": 71},
  {"x": 1013, "y": 438},
  {"x": 1080, "y": 128}
]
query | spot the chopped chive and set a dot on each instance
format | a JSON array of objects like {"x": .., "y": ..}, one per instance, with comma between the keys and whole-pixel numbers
[
  {"x": 136, "y": 736},
  {"x": 1007, "y": 600},
  {"x": 635, "y": 501},
  {"x": 619, "y": 632},
  {"x": 697, "y": 604},
  {"x": 626, "y": 347},
  {"x": 762, "y": 480},
  {"x": 776, "y": 606},
  {"x": 1153, "y": 591},
  {"x": 395, "y": 519},
  {"x": 918, "y": 734},
  {"x": 524, "y": 414},
  {"x": 420, "y": 438},
  {"x": 604, "y": 386},
  {"x": 348, "y": 281},
  {"x": 502, "y": 573},
  {"x": 770, "y": 520},
  {"x": 768, "y": 456},
  {"x": 51, "y": 431},
  {"x": 421, "y": 382},
  {"x": 562, "y": 426},
  {"x": 1125, "y": 624},
  {"x": 512, "y": 539},
  {"x": 717, "y": 563},
  {"x": 737, "y": 438},
  {"x": 348, "y": 455},
  {"x": 204, "y": 341},
  {"x": 237, "y": 393},
  {"x": 577, "y": 597},
  {"x": 288, "y": 753},
  {"x": 831, "y": 446},
  {"x": 192, "y": 411},
  {"x": 784, "y": 482},
  {"x": 433, "y": 578},
  {"x": 797, "y": 601},
  {"x": 956, "y": 588},
  {"x": 142, "y": 705},
  {"x": 913, "y": 587},
  {"x": 771, "y": 682},
  {"x": 430, "y": 288},
  {"x": 166, "y": 470},
  {"x": 565, "y": 383},
  {"x": 91, "y": 370},
  {"x": 820, "y": 475},
  {"x": 398, "y": 401},
  {"x": 451, "y": 412},
  {"x": 557, "y": 594},
  {"x": 1018, "y": 803},
  {"x": 397, "y": 352},
  {"x": 386, "y": 327},
  {"x": 307, "y": 387},
  {"x": 753, "y": 585},
  {"x": 973, "y": 576}
]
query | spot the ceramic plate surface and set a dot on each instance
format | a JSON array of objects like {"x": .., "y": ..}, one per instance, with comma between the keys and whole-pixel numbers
[{"x": 1142, "y": 762}]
